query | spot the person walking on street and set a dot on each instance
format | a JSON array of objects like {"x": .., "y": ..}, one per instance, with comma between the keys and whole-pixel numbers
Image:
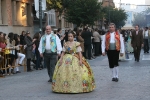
[
  {"x": 49, "y": 48},
  {"x": 113, "y": 43},
  {"x": 137, "y": 42},
  {"x": 29, "y": 47},
  {"x": 97, "y": 39},
  {"x": 146, "y": 40},
  {"x": 86, "y": 35}
]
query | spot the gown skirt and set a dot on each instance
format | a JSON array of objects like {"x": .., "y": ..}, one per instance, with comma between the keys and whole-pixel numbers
[{"x": 70, "y": 77}]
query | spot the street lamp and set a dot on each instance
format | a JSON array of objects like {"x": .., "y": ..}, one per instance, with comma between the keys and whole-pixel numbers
[
  {"x": 120, "y": 5},
  {"x": 109, "y": 16},
  {"x": 59, "y": 21},
  {"x": 40, "y": 14}
]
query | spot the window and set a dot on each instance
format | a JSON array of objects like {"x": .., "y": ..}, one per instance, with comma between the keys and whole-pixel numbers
[
  {"x": 66, "y": 24},
  {"x": 51, "y": 18},
  {"x": 21, "y": 13},
  {"x": 3, "y": 12}
]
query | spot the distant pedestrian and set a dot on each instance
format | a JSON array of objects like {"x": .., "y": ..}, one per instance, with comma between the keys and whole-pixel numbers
[
  {"x": 137, "y": 42},
  {"x": 86, "y": 35},
  {"x": 146, "y": 36}
]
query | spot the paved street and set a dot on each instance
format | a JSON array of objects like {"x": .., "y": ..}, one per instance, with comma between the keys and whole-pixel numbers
[{"x": 134, "y": 83}]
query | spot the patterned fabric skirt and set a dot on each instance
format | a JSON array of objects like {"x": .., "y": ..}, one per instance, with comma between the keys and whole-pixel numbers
[
  {"x": 129, "y": 47},
  {"x": 70, "y": 77}
]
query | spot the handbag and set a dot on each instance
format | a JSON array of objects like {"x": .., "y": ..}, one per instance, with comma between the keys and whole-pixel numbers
[{"x": 2, "y": 45}]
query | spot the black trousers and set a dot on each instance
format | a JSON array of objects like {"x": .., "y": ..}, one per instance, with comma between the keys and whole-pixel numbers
[
  {"x": 87, "y": 48},
  {"x": 28, "y": 64},
  {"x": 146, "y": 45},
  {"x": 50, "y": 60},
  {"x": 100, "y": 49},
  {"x": 97, "y": 48},
  {"x": 137, "y": 51},
  {"x": 113, "y": 58}
]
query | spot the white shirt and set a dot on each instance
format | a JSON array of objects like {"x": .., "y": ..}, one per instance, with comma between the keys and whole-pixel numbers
[
  {"x": 112, "y": 40},
  {"x": 146, "y": 33},
  {"x": 137, "y": 32},
  {"x": 47, "y": 46},
  {"x": 112, "y": 37}
]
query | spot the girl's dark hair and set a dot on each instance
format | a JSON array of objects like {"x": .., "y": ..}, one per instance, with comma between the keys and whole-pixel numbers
[
  {"x": 122, "y": 31},
  {"x": 72, "y": 33},
  {"x": 85, "y": 29},
  {"x": 16, "y": 37},
  {"x": 78, "y": 32},
  {"x": 1, "y": 33},
  {"x": 22, "y": 32},
  {"x": 4, "y": 35},
  {"x": 27, "y": 33},
  {"x": 2, "y": 38},
  {"x": 11, "y": 36},
  {"x": 36, "y": 36},
  {"x": 59, "y": 29},
  {"x": 55, "y": 32}
]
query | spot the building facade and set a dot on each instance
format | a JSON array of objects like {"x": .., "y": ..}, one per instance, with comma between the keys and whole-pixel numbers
[
  {"x": 147, "y": 2},
  {"x": 108, "y": 3},
  {"x": 100, "y": 24},
  {"x": 16, "y": 16},
  {"x": 58, "y": 21}
]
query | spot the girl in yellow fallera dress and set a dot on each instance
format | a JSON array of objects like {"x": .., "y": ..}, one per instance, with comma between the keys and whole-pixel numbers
[{"x": 72, "y": 72}]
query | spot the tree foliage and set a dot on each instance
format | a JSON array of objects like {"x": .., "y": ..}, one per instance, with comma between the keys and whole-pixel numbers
[
  {"x": 55, "y": 4},
  {"x": 82, "y": 12},
  {"x": 117, "y": 16},
  {"x": 86, "y": 12}
]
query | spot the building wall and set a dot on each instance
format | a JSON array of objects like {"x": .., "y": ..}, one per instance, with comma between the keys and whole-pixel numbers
[
  {"x": 131, "y": 10},
  {"x": 15, "y": 16},
  {"x": 60, "y": 21},
  {"x": 108, "y": 3},
  {"x": 147, "y": 2}
]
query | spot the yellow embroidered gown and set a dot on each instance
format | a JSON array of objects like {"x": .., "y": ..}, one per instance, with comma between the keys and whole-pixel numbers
[{"x": 70, "y": 77}]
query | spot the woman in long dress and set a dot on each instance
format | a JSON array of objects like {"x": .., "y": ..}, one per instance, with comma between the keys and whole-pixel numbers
[
  {"x": 72, "y": 72},
  {"x": 130, "y": 48}
]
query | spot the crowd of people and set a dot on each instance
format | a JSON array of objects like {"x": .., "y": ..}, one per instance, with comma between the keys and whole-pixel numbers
[
  {"x": 61, "y": 52},
  {"x": 14, "y": 49}
]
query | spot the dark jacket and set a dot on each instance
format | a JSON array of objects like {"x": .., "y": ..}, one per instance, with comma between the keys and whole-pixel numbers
[
  {"x": 86, "y": 35},
  {"x": 37, "y": 42},
  {"x": 62, "y": 41},
  {"x": 137, "y": 40},
  {"x": 29, "y": 47},
  {"x": 22, "y": 41}
]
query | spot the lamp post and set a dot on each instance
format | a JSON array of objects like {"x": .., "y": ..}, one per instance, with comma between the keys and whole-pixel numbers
[
  {"x": 59, "y": 21},
  {"x": 109, "y": 16},
  {"x": 120, "y": 5},
  {"x": 40, "y": 15}
]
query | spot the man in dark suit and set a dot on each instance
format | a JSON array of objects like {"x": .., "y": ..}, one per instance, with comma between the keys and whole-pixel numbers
[
  {"x": 86, "y": 35},
  {"x": 137, "y": 42}
]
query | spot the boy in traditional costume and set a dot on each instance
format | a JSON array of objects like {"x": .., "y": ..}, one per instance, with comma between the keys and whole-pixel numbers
[{"x": 113, "y": 44}]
